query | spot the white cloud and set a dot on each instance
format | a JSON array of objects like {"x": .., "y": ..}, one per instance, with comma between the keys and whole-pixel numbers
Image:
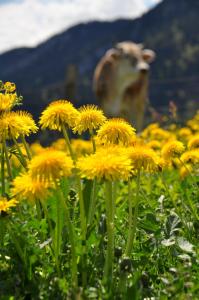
[{"x": 28, "y": 22}]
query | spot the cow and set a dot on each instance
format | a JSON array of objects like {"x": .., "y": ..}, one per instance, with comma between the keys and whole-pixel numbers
[{"x": 121, "y": 79}]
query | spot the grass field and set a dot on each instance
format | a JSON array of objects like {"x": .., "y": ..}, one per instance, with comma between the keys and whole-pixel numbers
[{"x": 115, "y": 216}]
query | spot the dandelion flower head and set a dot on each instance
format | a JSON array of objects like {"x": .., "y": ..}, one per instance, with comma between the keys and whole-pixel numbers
[
  {"x": 90, "y": 118},
  {"x": 26, "y": 188},
  {"x": 106, "y": 164},
  {"x": 50, "y": 165},
  {"x": 58, "y": 113},
  {"x": 14, "y": 124},
  {"x": 81, "y": 147},
  {"x": 7, "y": 101},
  {"x": 172, "y": 149},
  {"x": 194, "y": 142},
  {"x": 60, "y": 144},
  {"x": 191, "y": 156},
  {"x": 28, "y": 125},
  {"x": 9, "y": 87},
  {"x": 36, "y": 148},
  {"x": 5, "y": 205},
  {"x": 116, "y": 131},
  {"x": 184, "y": 132},
  {"x": 185, "y": 171},
  {"x": 143, "y": 157},
  {"x": 154, "y": 144}
]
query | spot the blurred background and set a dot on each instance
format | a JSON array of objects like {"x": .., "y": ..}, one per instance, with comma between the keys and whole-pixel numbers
[{"x": 50, "y": 48}]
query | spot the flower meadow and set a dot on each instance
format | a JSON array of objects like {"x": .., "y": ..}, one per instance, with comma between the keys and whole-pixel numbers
[{"x": 113, "y": 216}]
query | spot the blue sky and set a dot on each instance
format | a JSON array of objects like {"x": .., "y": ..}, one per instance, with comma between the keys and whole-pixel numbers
[{"x": 29, "y": 22}]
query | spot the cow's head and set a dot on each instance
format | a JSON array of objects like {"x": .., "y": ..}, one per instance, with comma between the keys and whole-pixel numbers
[{"x": 131, "y": 62}]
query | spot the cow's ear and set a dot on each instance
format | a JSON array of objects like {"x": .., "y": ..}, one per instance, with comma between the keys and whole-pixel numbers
[
  {"x": 113, "y": 53},
  {"x": 148, "y": 55}
]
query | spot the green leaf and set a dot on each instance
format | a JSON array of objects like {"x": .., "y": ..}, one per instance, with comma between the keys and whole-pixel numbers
[{"x": 150, "y": 223}]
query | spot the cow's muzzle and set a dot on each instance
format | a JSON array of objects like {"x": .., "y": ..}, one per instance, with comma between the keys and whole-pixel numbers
[{"x": 143, "y": 67}]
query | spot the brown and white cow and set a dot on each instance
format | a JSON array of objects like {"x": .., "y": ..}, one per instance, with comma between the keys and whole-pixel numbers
[{"x": 121, "y": 81}]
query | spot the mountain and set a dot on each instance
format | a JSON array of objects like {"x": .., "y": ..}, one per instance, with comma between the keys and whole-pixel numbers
[{"x": 170, "y": 29}]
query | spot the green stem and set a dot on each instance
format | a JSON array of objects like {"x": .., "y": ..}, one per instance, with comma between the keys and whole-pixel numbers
[
  {"x": 71, "y": 234},
  {"x": 108, "y": 270},
  {"x": 26, "y": 146},
  {"x": 93, "y": 141},
  {"x": 83, "y": 221},
  {"x": 38, "y": 208},
  {"x": 44, "y": 207},
  {"x": 2, "y": 172},
  {"x": 79, "y": 185},
  {"x": 7, "y": 160},
  {"x": 82, "y": 208},
  {"x": 22, "y": 158},
  {"x": 58, "y": 232},
  {"x": 92, "y": 205},
  {"x": 65, "y": 133},
  {"x": 132, "y": 216}
]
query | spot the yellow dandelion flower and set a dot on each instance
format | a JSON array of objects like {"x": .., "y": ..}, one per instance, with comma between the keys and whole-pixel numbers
[
  {"x": 116, "y": 131},
  {"x": 7, "y": 101},
  {"x": 28, "y": 125},
  {"x": 14, "y": 124},
  {"x": 5, "y": 205},
  {"x": 194, "y": 142},
  {"x": 184, "y": 132},
  {"x": 137, "y": 141},
  {"x": 9, "y": 87},
  {"x": 154, "y": 144},
  {"x": 172, "y": 127},
  {"x": 50, "y": 165},
  {"x": 60, "y": 144},
  {"x": 106, "y": 164},
  {"x": 143, "y": 157},
  {"x": 36, "y": 148},
  {"x": 191, "y": 156},
  {"x": 57, "y": 113},
  {"x": 163, "y": 164},
  {"x": 81, "y": 147},
  {"x": 193, "y": 124},
  {"x": 160, "y": 134},
  {"x": 90, "y": 118},
  {"x": 147, "y": 131},
  {"x": 24, "y": 187},
  {"x": 185, "y": 171},
  {"x": 10, "y": 125},
  {"x": 172, "y": 149}
]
